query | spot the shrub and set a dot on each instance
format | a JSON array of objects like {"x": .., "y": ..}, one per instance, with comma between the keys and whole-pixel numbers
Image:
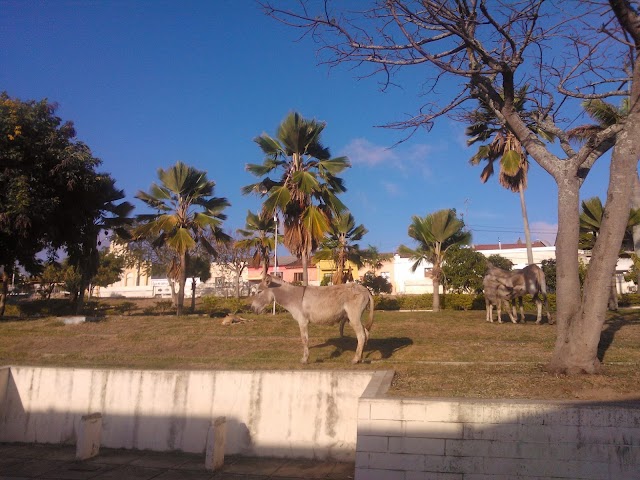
[
  {"x": 459, "y": 301},
  {"x": 386, "y": 303},
  {"x": 629, "y": 299},
  {"x": 416, "y": 302},
  {"x": 219, "y": 306},
  {"x": 124, "y": 308}
]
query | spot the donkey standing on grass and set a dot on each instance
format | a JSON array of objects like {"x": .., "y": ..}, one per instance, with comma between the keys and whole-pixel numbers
[
  {"x": 503, "y": 285},
  {"x": 321, "y": 305}
]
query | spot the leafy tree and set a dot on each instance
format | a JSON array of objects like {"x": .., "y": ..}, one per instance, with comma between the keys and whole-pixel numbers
[
  {"x": 110, "y": 268},
  {"x": 435, "y": 234},
  {"x": 549, "y": 269},
  {"x": 52, "y": 275},
  {"x": 464, "y": 269},
  {"x": 46, "y": 175},
  {"x": 198, "y": 267},
  {"x": 489, "y": 51},
  {"x": 338, "y": 245},
  {"x": 306, "y": 191},
  {"x": 376, "y": 284},
  {"x": 177, "y": 223},
  {"x": 259, "y": 234},
  {"x": 500, "y": 262},
  {"x": 102, "y": 209}
]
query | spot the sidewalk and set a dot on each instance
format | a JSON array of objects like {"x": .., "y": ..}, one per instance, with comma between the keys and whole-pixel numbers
[{"x": 56, "y": 462}]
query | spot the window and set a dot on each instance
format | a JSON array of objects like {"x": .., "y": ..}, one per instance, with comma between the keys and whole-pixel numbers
[
  {"x": 219, "y": 281},
  {"x": 277, "y": 274},
  {"x": 427, "y": 273},
  {"x": 297, "y": 277}
]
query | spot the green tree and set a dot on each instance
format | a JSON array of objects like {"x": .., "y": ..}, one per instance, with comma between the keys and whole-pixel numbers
[
  {"x": 591, "y": 218},
  {"x": 500, "y": 262},
  {"x": 52, "y": 275},
  {"x": 376, "y": 284},
  {"x": 435, "y": 234},
  {"x": 548, "y": 267},
  {"x": 46, "y": 174},
  {"x": 307, "y": 188},
  {"x": 102, "y": 210},
  {"x": 259, "y": 233},
  {"x": 464, "y": 269},
  {"x": 198, "y": 267},
  {"x": 183, "y": 190},
  {"x": 110, "y": 268},
  {"x": 503, "y": 145},
  {"x": 338, "y": 245}
]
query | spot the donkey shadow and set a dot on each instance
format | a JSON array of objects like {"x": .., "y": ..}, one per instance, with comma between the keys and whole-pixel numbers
[
  {"x": 612, "y": 326},
  {"x": 385, "y": 346}
]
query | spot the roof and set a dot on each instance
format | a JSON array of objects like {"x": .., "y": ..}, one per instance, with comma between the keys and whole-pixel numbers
[{"x": 510, "y": 246}]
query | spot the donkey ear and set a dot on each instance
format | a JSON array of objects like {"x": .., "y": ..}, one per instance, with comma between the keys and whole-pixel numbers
[{"x": 267, "y": 280}]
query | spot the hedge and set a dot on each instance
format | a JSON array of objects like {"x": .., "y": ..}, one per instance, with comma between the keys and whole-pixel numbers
[{"x": 458, "y": 301}]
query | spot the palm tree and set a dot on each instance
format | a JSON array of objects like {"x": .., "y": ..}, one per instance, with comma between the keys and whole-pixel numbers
[
  {"x": 372, "y": 257},
  {"x": 506, "y": 147},
  {"x": 182, "y": 188},
  {"x": 435, "y": 234},
  {"x": 259, "y": 233},
  {"x": 339, "y": 247},
  {"x": 590, "y": 223},
  {"x": 306, "y": 191}
]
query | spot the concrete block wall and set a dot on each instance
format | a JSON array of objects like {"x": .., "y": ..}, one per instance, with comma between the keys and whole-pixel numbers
[
  {"x": 456, "y": 439},
  {"x": 309, "y": 413}
]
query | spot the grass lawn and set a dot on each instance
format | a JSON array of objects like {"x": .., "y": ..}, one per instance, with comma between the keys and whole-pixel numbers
[{"x": 446, "y": 354}]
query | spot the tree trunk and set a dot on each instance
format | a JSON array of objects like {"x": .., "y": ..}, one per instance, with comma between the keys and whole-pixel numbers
[
  {"x": 5, "y": 290},
  {"x": 435, "y": 278},
  {"x": 613, "y": 295},
  {"x": 580, "y": 322},
  {"x": 635, "y": 203},
  {"x": 305, "y": 270},
  {"x": 182, "y": 281},
  {"x": 193, "y": 295},
  {"x": 525, "y": 220}
]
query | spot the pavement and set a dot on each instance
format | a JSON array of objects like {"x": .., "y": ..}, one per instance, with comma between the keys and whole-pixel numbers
[{"x": 57, "y": 462}]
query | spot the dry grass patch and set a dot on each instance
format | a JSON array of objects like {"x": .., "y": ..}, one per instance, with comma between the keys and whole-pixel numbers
[{"x": 434, "y": 354}]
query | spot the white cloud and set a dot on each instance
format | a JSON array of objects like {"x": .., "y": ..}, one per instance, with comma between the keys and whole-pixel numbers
[
  {"x": 391, "y": 188},
  {"x": 544, "y": 231},
  {"x": 362, "y": 151}
]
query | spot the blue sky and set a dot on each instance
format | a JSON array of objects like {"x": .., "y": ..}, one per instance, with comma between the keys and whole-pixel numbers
[{"x": 148, "y": 83}]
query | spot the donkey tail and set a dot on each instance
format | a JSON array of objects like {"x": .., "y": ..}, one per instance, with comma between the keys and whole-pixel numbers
[{"x": 369, "y": 323}]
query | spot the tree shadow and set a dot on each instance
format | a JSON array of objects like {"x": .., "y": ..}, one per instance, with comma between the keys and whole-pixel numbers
[
  {"x": 385, "y": 346},
  {"x": 613, "y": 326}
]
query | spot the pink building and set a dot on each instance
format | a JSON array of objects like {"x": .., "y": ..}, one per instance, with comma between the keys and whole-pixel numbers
[{"x": 289, "y": 269}]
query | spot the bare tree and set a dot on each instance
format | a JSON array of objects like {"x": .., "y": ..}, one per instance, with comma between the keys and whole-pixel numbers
[
  {"x": 232, "y": 259},
  {"x": 563, "y": 52}
]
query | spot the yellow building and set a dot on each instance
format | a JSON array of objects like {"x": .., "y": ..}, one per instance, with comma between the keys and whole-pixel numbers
[{"x": 327, "y": 268}]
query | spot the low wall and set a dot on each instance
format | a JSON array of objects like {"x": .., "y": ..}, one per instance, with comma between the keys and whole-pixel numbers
[
  {"x": 310, "y": 414},
  {"x": 456, "y": 439}
]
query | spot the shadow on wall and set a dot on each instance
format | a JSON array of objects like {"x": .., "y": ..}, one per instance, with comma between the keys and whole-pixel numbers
[
  {"x": 281, "y": 414},
  {"x": 497, "y": 439}
]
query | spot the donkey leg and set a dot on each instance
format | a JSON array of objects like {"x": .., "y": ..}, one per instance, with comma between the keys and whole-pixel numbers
[
  {"x": 304, "y": 335},
  {"x": 358, "y": 328}
]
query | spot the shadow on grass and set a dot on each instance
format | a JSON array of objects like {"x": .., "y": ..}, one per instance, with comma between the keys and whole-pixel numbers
[
  {"x": 613, "y": 326},
  {"x": 386, "y": 346}
]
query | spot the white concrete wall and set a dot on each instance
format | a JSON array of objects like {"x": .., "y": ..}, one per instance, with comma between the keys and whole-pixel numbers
[
  {"x": 309, "y": 414},
  {"x": 454, "y": 439}
]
